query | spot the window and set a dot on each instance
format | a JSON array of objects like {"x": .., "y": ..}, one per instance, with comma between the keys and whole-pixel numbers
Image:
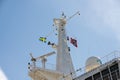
[
  {"x": 114, "y": 71},
  {"x": 106, "y": 74},
  {"x": 89, "y": 78},
  {"x": 97, "y": 76}
]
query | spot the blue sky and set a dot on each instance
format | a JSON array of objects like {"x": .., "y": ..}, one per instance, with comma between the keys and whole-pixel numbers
[{"x": 22, "y": 22}]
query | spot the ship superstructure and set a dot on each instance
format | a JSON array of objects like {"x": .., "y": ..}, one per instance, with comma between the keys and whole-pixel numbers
[
  {"x": 64, "y": 66},
  {"x": 108, "y": 70},
  {"x": 95, "y": 68}
]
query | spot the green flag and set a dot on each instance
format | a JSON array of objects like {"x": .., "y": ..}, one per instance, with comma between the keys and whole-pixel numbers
[{"x": 43, "y": 39}]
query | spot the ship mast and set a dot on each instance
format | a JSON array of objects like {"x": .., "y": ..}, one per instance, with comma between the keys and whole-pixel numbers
[
  {"x": 64, "y": 62},
  {"x": 63, "y": 59},
  {"x": 64, "y": 67}
]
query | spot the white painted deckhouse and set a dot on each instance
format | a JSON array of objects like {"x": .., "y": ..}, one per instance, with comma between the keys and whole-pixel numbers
[{"x": 95, "y": 68}]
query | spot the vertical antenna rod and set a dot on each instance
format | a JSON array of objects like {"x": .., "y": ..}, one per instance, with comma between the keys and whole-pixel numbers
[{"x": 73, "y": 15}]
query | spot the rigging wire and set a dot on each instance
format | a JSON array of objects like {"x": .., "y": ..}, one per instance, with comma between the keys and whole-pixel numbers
[{"x": 50, "y": 33}]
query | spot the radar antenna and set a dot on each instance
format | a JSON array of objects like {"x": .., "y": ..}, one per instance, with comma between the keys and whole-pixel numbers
[{"x": 44, "y": 58}]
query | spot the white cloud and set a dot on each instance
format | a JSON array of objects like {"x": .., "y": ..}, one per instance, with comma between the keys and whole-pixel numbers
[
  {"x": 108, "y": 11},
  {"x": 2, "y": 75}
]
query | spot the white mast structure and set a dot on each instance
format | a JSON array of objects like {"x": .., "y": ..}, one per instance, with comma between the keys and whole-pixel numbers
[
  {"x": 64, "y": 62},
  {"x": 64, "y": 67}
]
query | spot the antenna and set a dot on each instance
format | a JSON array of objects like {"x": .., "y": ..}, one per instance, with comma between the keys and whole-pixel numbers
[
  {"x": 73, "y": 15},
  {"x": 92, "y": 63},
  {"x": 44, "y": 58},
  {"x": 62, "y": 21}
]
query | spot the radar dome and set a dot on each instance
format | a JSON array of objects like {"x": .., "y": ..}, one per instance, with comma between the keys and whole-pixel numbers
[{"x": 91, "y": 63}]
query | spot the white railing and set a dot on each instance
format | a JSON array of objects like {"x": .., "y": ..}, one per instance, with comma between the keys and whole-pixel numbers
[
  {"x": 39, "y": 65},
  {"x": 110, "y": 56},
  {"x": 105, "y": 59}
]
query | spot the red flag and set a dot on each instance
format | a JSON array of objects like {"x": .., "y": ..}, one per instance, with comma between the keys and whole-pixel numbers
[{"x": 73, "y": 41}]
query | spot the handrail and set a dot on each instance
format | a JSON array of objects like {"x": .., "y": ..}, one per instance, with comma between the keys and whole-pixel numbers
[{"x": 109, "y": 57}]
